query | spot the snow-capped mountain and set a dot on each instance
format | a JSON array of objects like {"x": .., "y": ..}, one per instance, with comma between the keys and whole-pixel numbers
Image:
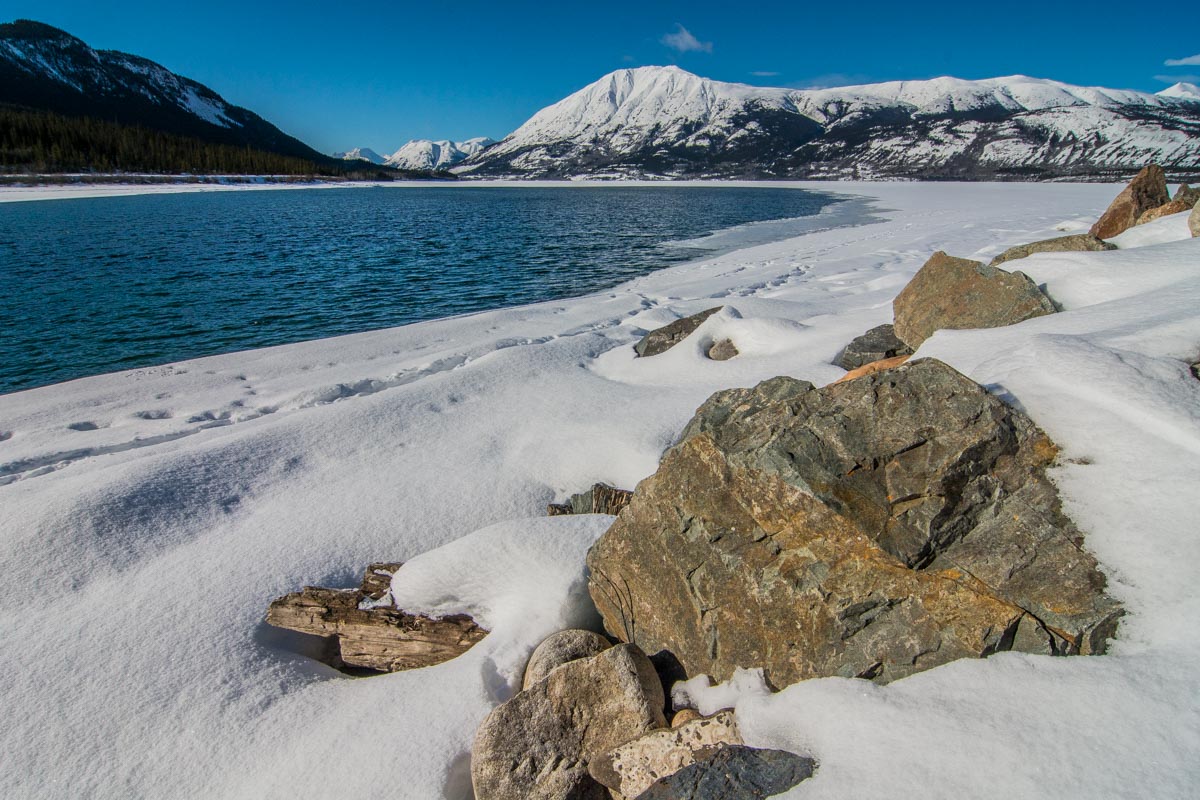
[
  {"x": 663, "y": 121},
  {"x": 1182, "y": 91},
  {"x": 360, "y": 154},
  {"x": 423, "y": 154},
  {"x": 44, "y": 68}
]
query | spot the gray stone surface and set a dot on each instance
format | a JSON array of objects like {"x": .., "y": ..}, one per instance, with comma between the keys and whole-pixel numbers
[
  {"x": 1194, "y": 221},
  {"x": 1080, "y": 242},
  {"x": 1147, "y": 190},
  {"x": 955, "y": 293},
  {"x": 561, "y": 648},
  {"x": 663, "y": 339},
  {"x": 873, "y": 528},
  {"x": 1187, "y": 194},
  {"x": 538, "y": 745},
  {"x": 734, "y": 773},
  {"x": 600, "y": 499},
  {"x": 875, "y": 345},
  {"x": 722, "y": 350}
]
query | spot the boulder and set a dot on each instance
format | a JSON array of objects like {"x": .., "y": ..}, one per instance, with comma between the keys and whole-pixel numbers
[
  {"x": 1079, "y": 242},
  {"x": 684, "y": 715},
  {"x": 631, "y": 768},
  {"x": 875, "y": 345},
  {"x": 873, "y": 528},
  {"x": 1194, "y": 221},
  {"x": 663, "y": 339},
  {"x": 362, "y": 635},
  {"x": 734, "y": 773},
  {"x": 1165, "y": 210},
  {"x": 722, "y": 350},
  {"x": 1188, "y": 195},
  {"x": 1147, "y": 190},
  {"x": 561, "y": 648},
  {"x": 956, "y": 293},
  {"x": 538, "y": 745},
  {"x": 872, "y": 368},
  {"x": 600, "y": 499}
]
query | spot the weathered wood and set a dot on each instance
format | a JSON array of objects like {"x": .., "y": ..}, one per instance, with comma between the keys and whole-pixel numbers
[{"x": 365, "y": 636}]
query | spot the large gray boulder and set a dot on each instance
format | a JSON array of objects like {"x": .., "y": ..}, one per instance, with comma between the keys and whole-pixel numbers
[
  {"x": 1194, "y": 221},
  {"x": 663, "y": 339},
  {"x": 1147, "y": 190},
  {"x": 734, "y": 773},
  {"x": 956, "y": 293},
  {"x": 875, "y": 345},
  {"x": 1189, "y": 195},
  {"x": 1076, "y": 243},
  {"x": 561, "y": 648},
  {"x": 538, "y": 745},
  {"x": 873, "y": 528}
]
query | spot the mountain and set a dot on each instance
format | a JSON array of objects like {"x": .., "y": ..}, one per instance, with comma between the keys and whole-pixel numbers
[
  {"x": 1182, "y": 91},
  {"x": 51, "y": 74},
  {"x": 665, "y": 122},
  {"x": 360, "y": 154},
  {"x": 423, "y": 154}
]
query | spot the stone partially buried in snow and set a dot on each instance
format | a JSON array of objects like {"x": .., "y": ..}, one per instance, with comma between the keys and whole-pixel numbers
[
  {"x": 538, "y": 745},
  {"x": 875, "y": 345},
  {"x": 1188, "y": 195},
  {"x": 1165, "y": 210},
  {"x": 562, "y": 648},
  {"x": 873, "y": 528},
  {"x": 1147, "y": 190},
  {"x": 950, "y": 293},
  {"x": 663, "y": 339},
  {"x": 734, "y": 773},
  {"x": 1076, "y": 243},
  {"x": 1194, "y": 221},
  {"x": 600, "y": 499}
]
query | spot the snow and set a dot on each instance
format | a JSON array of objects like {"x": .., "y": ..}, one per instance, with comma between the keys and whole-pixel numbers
[
  {"x": 151, "y": 515},
  {"x": 1182, "y": 91},
  {"x": 423, "y": 154},
  {"x": 360, "y": 154}
]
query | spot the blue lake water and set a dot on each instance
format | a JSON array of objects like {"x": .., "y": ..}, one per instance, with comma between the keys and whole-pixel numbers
[{"x": 94, "y": 286}]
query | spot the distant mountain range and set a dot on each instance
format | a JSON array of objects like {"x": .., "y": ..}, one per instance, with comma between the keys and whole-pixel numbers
[
  {"x": 422, "y": 154},
  {"x": 663, "y": 122}
]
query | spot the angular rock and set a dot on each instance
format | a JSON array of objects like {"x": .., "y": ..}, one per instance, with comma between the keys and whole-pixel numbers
[
  {"x": 1187, "y": 194},
  {"x": 364, "y": 636},
  {"x": 957, "y": 293},
  {"x": 1194, "y": 221},
  {"x": 1165, "y": 210},
  {"x": 561, "y": 648},
  {"x": 1147, "y": 190},
  {"x": 872, "y": 368},
  {"x": 722, "y": 350},
  {"x": 600, "y": 499},
  {"x": 538, "y": 745},
  {"x": 1076, "y": 243},
  {"x": 663, "y": 339},
  {"x": 875, "y": 345},
  {"x": 684, "y": 715},
  {"x": 734, "y": 773},
  {"x": 633, "y": 767},
  {"x": 873, "y": 528}
]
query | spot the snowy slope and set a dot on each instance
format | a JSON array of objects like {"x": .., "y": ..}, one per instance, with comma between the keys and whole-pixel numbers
[
  {"x": 1182, "y": 91},
  {"x": 151, "y": 515},
  {"x": 360, "y": 154},
  {"x": 423, "y": 154},
  {"x": 665, "y": 121}
]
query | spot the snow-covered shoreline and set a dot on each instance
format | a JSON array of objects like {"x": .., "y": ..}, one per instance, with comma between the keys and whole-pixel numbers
[{"x": 149, "y": 516}]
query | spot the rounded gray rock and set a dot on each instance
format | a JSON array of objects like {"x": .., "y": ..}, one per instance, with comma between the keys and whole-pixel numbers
[{"x": 561, "y": 648}]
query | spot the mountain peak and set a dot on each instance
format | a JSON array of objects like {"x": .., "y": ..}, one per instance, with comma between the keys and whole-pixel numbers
[
  {"x": 1182, "y": 91},
  {"x": 29, "y": 30}
]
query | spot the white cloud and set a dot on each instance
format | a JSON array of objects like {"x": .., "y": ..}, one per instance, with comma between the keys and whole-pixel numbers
[
  {"x": 1190, "y": 61},
  {"x": 762, "y": 73},
  {"x": 683, "y": 41}
]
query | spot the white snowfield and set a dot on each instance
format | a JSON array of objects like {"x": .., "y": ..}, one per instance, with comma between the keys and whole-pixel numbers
[{"x": 150, "y": 516}]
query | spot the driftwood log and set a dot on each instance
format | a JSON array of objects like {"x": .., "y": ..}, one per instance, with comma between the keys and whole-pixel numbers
[{"x": 362, "y": 636}]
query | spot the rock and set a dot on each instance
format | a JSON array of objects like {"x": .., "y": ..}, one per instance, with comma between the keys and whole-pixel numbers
[
  {"x": 1165, "y": 210},
  {"x": 873, "y": 528},
  {"x": 872, "y": 368},
  {"x": 1080, "y": 242},
  {"x": 600, "y": 499},
  {"x": 1187, "y": 194},
  {"x": 666, "y": 337},
  {"x": 561, "y": 648},
  {"x": 1147, "y": 190},
  {"x": 631, "y": 768},
  {"x": 538, "y": 745},
  {"x": 875, "y": 345},
  {"x": 734, "y": 773},
  {"x": 722, "y": 350},
  {"x": 1194, "y": 221},
  {"x": 362, "y": 635},
  {"x": 684, "y": 715},
  {"x": 956, "y": 293}
]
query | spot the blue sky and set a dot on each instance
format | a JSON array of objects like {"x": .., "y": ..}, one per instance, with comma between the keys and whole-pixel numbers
[{"x": 342, "y": 76}]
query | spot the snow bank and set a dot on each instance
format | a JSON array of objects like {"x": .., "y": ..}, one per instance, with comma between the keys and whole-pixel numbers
[{"x": 148, "y": 517}]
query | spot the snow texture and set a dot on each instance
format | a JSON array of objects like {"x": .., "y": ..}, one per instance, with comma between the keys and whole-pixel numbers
[
  {"x": 423, "y": 154},
  {"x": 148, "y": 517}
]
